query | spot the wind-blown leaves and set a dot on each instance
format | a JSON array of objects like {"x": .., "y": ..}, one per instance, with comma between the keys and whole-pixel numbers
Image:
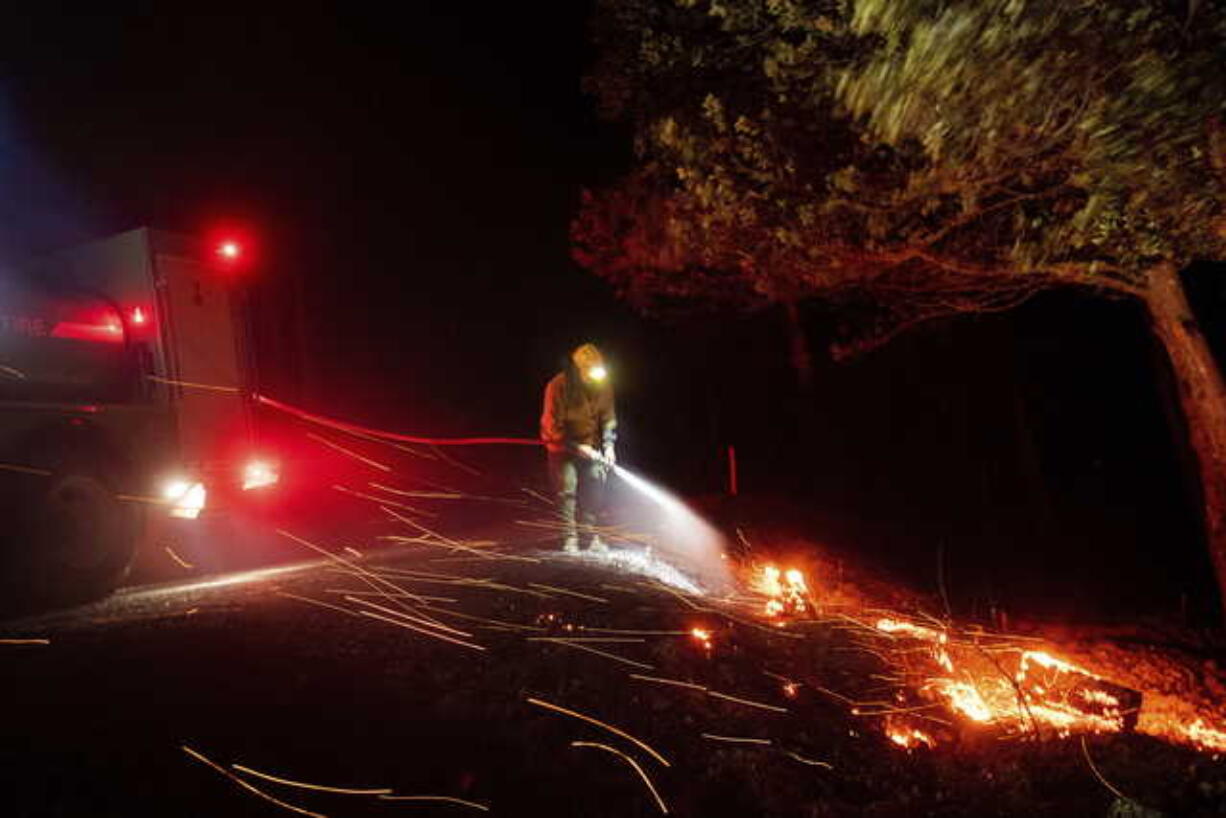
[{"x": 925, "y": 156}]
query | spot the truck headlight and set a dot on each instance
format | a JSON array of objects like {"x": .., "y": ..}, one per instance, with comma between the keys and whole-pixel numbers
[{"x": 186, "y": 499}]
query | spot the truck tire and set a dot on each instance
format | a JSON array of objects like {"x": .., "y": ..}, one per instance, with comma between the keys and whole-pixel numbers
[{"x": 79, "y": 536}]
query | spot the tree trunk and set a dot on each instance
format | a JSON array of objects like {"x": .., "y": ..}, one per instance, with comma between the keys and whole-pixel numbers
[{"x": 1202, "y": 395}]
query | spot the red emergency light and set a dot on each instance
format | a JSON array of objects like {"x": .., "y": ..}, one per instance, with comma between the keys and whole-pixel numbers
[
  {"x": 229, "y": 251},
  {"x": 229, "y": 246},
  {"x": 258, "y": 474}
]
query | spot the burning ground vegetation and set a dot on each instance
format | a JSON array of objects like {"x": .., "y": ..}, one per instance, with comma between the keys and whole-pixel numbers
[
  {"x": 944, "y": 676},
  {"x": 611, "y": 684},
  {"x": 624, "y": 684}
]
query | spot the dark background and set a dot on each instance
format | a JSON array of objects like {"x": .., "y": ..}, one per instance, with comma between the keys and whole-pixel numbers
[{"x": 407, "y": 184}]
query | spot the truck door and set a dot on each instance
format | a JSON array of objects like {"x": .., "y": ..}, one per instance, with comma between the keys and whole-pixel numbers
[{"x": 205, "y": 354}]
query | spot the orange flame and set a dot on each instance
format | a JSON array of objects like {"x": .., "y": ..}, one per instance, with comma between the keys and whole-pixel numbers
[
  {"x": 965, "y": 698},
  {"x": 907, "y": 736},
  {"x": 1043, "y": 689},
  {"x": 787, "y": 591},
  {"x": 989, "y": 679},
  {"x": 1206, "y": 737}
]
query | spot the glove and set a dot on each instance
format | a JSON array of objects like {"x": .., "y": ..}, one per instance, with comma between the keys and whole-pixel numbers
[{"x": 587, "y": 451}]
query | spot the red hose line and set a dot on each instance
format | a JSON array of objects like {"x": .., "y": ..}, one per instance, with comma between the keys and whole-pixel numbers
[{"x": 353, "y": 428}]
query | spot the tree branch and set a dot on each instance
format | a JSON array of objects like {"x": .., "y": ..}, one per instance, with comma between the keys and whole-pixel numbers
[{"x": 971, "y": 217}]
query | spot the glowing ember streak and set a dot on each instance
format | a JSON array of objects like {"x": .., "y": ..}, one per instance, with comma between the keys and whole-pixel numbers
[
  {"x": 736, "y": 739},
  {"x": 615, "y": 731},
  {"x": 182, "y": 562},
  {"x": 606, "y": 654},
  {"x": 674, "y": 682},
  {"x": 252, "y": 789},
  {"x": 407, "y": 626},
  {"x": 404, "y": 615},
  {"x": 307, "y": 599},
  {"x": 303, "y": 785},
  {"x": 638, "y": 769},
  {"x": 810, "y": 761},
  {"x": 567, "y": 592},
  {"x": 442, "y": 799},
  {"x": 747, "y": 702}
]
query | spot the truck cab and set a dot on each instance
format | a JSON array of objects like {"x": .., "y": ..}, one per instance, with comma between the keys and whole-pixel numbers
[{"x": 126, "y": 377}]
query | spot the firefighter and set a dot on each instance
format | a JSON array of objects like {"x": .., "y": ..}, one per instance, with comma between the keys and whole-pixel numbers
[{"x": 579, "y": 430}]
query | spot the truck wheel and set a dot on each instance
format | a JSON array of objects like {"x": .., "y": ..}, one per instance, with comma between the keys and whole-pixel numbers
[{"x": 81, "y": 537}]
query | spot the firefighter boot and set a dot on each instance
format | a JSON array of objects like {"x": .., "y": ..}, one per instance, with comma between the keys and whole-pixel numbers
[{"x": 571, "y": 545}]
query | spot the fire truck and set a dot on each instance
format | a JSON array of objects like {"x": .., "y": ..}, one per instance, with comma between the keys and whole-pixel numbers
[{"x": 126, "y": 404}]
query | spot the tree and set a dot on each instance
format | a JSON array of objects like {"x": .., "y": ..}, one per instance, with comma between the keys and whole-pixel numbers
[{"x": 910, "y": 159}]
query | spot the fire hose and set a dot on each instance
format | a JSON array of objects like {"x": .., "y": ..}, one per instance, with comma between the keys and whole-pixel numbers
[
  {"x": 692, "y": 533},
  {"x": 382, "y": 434},
  {"x": 355, "y": 429},
  {"x": 648, "y": 489}
]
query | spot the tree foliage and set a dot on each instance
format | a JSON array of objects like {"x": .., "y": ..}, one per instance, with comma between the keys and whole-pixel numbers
[{"x": 922, "y": 156}]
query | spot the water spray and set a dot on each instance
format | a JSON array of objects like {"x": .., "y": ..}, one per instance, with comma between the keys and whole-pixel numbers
[{"x": 687, "y": 534}]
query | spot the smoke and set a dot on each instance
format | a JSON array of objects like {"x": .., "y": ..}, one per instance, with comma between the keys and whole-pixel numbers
[{"x": 683, "y": 534}]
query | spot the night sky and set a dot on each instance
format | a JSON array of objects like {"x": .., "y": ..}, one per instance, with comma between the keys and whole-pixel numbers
[
  {"x": 415, "y": 173},
  {"x": 409, "y": 181}
]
